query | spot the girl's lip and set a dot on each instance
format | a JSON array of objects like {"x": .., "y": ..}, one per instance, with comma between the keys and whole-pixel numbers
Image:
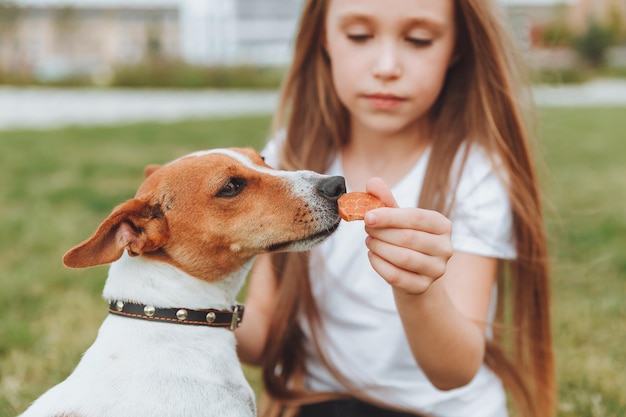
[
  {"x": 384, "y": 101},
  {"x": 383, "y": 96}
]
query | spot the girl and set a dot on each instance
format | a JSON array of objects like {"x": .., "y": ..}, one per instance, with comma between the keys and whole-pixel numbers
[{"x": 433, "y": 310}]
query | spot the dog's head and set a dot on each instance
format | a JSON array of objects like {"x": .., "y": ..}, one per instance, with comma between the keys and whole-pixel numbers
[{"x": 210, "y": 212}]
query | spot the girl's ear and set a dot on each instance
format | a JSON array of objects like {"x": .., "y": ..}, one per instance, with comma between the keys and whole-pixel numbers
[{"x": 134, "y": 226}]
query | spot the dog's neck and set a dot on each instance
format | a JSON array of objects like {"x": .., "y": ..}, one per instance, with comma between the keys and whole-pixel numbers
[{"x": 145, "y": 281}]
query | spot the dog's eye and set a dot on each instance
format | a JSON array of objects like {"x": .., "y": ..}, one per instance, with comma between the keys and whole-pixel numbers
[{"x": 234, "y": 187}]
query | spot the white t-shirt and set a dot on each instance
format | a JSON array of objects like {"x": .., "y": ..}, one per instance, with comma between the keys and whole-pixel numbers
[{"x": 365, "y": 339}]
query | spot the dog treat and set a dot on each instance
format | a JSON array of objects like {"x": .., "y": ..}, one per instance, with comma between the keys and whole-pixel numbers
[{"x": 353, "y": 206}]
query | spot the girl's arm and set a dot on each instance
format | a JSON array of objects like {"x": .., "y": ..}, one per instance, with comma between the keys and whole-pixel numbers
[
  {"x": 442, "y": 298},
  {"x": 252, "y": 334}
]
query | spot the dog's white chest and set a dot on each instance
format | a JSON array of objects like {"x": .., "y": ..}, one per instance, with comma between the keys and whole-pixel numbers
[{"x": 142, "y": 368}]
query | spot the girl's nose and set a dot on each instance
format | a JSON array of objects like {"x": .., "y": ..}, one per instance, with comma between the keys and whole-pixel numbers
[{"x": 387, "y": 64}]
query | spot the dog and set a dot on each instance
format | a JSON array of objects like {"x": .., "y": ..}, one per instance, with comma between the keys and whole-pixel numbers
[{"x": 180, "y": 252}]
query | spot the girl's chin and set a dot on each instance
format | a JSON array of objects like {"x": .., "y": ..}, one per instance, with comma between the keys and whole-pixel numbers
[{"x": 389, "y": 124}]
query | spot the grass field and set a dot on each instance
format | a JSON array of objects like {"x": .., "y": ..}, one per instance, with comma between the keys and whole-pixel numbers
[{"x": 56, "y": 187}]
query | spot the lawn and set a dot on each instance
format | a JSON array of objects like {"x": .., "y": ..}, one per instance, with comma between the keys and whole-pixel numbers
[{"x": 56, "y": 186}]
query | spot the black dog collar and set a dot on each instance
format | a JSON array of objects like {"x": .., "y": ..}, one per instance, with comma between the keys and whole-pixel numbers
[{"x": 230, "y": 319}]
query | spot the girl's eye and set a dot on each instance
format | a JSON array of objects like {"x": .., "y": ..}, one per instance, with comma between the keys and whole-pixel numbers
[
  {"x": 359, "y": 38},
  {"x": 234, "y": 187},
  {"x": 419, "y": 42}
]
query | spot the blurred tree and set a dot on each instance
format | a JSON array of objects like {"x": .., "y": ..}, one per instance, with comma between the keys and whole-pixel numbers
[
  {"x": 616, "y": 25},
  {"x": 558, "y": 32},
  {"x": 593, "y": 44}
]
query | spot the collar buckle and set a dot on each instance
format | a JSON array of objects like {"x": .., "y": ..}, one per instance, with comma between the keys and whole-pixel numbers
[{"x": 236, "y": 320}]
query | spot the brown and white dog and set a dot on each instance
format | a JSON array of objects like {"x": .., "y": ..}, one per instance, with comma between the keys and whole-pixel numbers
[{"x": 180, "y": 251}]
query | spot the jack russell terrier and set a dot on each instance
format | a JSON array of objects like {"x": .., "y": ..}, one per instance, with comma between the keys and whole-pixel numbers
[{"x": 180, "y": 252}]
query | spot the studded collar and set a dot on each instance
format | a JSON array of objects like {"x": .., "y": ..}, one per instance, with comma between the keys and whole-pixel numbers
[{"x": 230, "y": 319}]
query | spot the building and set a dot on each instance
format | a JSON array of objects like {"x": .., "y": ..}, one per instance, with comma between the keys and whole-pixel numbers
[
  {"x": 238, "y": 31},
  {"x": 54, "y": 38}
]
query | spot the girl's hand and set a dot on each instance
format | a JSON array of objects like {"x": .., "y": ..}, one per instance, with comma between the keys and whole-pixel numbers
[{"x": 408, "y": 247}]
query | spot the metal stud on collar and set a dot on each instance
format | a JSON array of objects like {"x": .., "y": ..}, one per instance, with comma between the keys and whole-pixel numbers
[
  {"x": 181, "y": 314},
  {"x": 210, "y": 317},
  {"x": 149, "y": 311}
]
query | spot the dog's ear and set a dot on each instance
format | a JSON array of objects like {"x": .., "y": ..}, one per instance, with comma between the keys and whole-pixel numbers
[
  {"x": 134, "y": 226},
  {"x": 149, "y": 170}
]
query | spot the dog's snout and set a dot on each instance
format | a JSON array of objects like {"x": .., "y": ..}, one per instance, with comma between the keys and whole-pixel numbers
[{"x": 332, "y": 187}]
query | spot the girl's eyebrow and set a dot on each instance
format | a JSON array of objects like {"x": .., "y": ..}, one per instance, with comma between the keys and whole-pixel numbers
[
  {"x": 425, "y": 22},
  {"x": 349, "y": 17},
  {"x": 406, "y": 23}
]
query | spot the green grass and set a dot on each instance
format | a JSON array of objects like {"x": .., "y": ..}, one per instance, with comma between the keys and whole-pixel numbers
[
  {"x": 586, "y": 186},
  {"x": 56, "y": 186}
]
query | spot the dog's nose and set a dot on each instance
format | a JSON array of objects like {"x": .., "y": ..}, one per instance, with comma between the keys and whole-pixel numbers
[{"x": 332, "y": 187}]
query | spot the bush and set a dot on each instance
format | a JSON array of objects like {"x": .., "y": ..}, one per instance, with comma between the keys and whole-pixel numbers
[
  {"x": 24, "y": 79},
  {"x": 557, "y": 34},
  {"x": 561, "y": 76},
  {"x": 175, "y": 74},
  {"x": 158, "y": 73},
  {"x": 592, "y": 45}
]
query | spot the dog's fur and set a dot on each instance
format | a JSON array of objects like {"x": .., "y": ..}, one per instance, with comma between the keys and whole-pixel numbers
[{"x": 189, "y": 235}]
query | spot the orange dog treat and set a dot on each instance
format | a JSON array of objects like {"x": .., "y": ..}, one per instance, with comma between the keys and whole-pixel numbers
[{"x": 353, "y": 206}]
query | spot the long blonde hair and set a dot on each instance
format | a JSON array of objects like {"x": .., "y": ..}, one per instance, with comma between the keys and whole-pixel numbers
[{"x": 482, "y": 102}]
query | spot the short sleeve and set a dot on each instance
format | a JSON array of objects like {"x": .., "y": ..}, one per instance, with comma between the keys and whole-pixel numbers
[
  {"x": 481, "y": 218},
  {"x": 271, "y": 150}
]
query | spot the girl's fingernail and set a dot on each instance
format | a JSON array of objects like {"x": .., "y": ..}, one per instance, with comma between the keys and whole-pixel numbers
[{"x": 370, "y": 218}]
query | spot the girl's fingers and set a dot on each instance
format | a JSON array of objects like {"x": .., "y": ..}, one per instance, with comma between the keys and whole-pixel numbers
[
  {"x": 427, "y": 243},
  {"x": 378, "y": 188},
  {"x": 409, "y": 218},
  {"x": 399, "y": 278},
  {"x": 408, "y": 260},
  {"x": 408, "y": 247}
]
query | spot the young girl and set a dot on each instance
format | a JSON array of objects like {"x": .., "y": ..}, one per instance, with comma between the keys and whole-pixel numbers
[{"x": 438, "y": 303}]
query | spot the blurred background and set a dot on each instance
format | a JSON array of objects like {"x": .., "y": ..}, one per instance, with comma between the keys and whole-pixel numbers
[
  {"x": 190, "y": 43},
  {"x": 91, "y": 91}
]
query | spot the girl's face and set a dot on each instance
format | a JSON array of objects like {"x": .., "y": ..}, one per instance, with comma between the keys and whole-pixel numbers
[{"x": 389, "y": 58}]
